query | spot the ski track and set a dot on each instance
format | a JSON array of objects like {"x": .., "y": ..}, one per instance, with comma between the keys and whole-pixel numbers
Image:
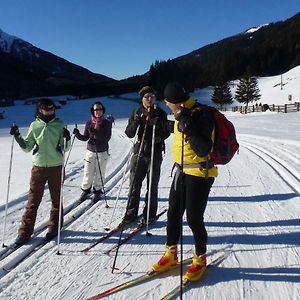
[
  {"x": 8, "y": 263},
  {"x": 242, "y": 266},
  {"x": 284, "y": 169}
]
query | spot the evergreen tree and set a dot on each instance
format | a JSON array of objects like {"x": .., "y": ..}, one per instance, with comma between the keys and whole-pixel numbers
[
  {"x": 247, "y": 91},
  {"x": 222, "y": 94}
]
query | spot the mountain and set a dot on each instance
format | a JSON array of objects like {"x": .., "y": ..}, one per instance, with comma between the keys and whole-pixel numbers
[
  {"x": 262, "y": 51},
  {"x": 27, "y": 70}
]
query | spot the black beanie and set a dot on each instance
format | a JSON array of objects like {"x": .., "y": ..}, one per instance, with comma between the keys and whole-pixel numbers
[
  {"x": 145, "y": 90},
  {"x": 175, "y": 93},
  {"x": 45, "y": 103}
]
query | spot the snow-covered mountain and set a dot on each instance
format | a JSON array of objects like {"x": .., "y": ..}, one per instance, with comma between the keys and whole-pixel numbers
[
  {"x": 19, "y": 48},
  {"x": 253, "y": 29},
  {"x": 56, "y": 66},
  {"x": 27, "y": 69}
]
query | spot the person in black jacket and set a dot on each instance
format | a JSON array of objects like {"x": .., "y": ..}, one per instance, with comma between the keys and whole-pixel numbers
[
  {"x": 98, "y": 133},
  {"x": 141, "y": 122}
]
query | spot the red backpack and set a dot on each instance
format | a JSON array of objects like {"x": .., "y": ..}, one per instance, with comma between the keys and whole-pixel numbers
[{"x": 225, "y": 144}]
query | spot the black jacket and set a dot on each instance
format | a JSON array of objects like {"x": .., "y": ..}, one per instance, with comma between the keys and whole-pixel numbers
[{"x": 137, "y": 121}]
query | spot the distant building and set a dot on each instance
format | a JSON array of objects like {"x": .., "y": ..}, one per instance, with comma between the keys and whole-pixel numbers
[{"x": 7, "y": 102}]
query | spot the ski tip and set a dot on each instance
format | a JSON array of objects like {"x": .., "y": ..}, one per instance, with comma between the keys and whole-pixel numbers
[
  {"x": 151, "y": 272},
  {"x": 186, "y": 282},
  {"x": 148, "y": 233}
]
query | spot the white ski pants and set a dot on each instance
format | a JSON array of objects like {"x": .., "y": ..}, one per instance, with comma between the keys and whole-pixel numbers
[{"x": 94, "y": 172}]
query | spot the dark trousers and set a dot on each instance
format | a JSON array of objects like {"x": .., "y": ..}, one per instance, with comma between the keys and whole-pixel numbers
[
  {"x": 139, "y": 170},
  {"x": 188, "y": 193},
  {"x": 39, "y": 177}
]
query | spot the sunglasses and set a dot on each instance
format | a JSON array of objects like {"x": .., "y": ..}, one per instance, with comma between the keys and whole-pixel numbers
[
  {"x": 98, "y": 109},
  {"x": 47, "y": 108},
  {"x": 149, "y": 96}
]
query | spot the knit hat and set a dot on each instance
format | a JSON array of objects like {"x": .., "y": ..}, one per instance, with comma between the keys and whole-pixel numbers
[
  {"x": 175, "y": 93},
  {"x": 45, "y": 103},
  {"x": 145, "y": 90}
]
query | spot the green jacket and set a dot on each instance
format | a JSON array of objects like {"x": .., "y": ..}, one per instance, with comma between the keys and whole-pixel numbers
[{"x": 47, "y": 142}]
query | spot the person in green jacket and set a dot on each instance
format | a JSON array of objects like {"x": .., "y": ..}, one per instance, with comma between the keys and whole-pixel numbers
[{"x": 48, "y": 138}]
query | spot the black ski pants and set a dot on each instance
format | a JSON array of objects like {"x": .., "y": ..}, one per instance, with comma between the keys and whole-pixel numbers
[
  {"x": 139, "y": 170},
  {"x": 188, "y": 193}
]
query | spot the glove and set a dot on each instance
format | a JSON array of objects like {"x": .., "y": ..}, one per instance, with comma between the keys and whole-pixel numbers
[
  {"x": 93, "y": 130},
  {"x": 66, "y": 134},
  {"x": 14, "y": 130},
  {"x": 138, "y": 118},
  {"x": 182, "y": 111},
  {"x": 150, "y": 115},
  {"x": 185, "y": 122},
  {"x": 75, "y": 131}
]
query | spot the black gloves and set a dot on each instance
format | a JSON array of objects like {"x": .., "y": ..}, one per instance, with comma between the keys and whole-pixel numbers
[
  {"x": 185, "y": 122},
  {"x": 138, "y": 118},
  {"x": 151, "y": 116},
  {"x": 14, "y": 130},
  {"x": 66, "y": 134},
  {"x": 93, "y": 130},
  {"x": 75, "y": 131},
  {"x": 141, "y": 117}
]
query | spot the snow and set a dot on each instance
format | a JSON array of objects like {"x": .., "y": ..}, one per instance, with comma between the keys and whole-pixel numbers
[
  {"x": 253, "y": 29},
  {"x": 252, "y": 213}
]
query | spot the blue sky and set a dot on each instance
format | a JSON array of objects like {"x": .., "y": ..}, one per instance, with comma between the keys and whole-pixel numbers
[{"x": 122, "y": 38}]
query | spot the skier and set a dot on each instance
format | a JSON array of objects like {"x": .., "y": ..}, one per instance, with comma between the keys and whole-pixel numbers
[
  {"x": 46, "y": 138},
  {"x": 195, "y": 173},
  {"x": 98, "y": 133},
  {"x": 142, "y": 121}
]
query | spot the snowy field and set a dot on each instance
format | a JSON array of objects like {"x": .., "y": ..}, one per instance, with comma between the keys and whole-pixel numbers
[{"x": 252, "y": 213}]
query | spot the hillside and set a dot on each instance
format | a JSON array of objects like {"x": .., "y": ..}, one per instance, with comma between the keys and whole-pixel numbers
[
  {"x": 264, "y": 51},
  {"x": 30, "y": 71}
]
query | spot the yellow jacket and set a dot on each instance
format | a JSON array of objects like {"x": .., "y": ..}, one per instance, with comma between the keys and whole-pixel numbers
[{"x": 192, "y": 163}]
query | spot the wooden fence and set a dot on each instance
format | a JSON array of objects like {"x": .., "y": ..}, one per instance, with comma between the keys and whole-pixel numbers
[{"x": 285, "y": 108}]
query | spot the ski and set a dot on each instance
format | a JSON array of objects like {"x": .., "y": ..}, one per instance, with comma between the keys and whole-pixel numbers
[
  {"x": 132, "y": 233},
  {"x": 31, "y": 248},
  {"x": 11, "y": 248},
  {"x": 135, "y": 281},
  {"x": 104, "y": 237},
  {"x": 176, "y": 291}
]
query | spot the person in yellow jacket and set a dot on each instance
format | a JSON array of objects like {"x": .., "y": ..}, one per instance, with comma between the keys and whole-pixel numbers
[{"x": 195, "y": 174}]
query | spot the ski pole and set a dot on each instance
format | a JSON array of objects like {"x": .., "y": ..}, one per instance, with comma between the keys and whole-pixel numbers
[
  {"x": 8, "y": 187},
  {"x": 150, "y": 179},
  {"x": 182, "y": 196},
  {"x": 61, "y": 198},
  {"x": 131, "y": 187},
  {"x": 101, "y": 177},
  {"x": 71, "y": 147},
  {"x": 122, "y": 182}
]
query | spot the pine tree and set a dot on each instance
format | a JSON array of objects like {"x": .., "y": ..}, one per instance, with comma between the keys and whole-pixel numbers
[
  {"x": 222, "y": 94},
  {"x": 247, "y": 91}
]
